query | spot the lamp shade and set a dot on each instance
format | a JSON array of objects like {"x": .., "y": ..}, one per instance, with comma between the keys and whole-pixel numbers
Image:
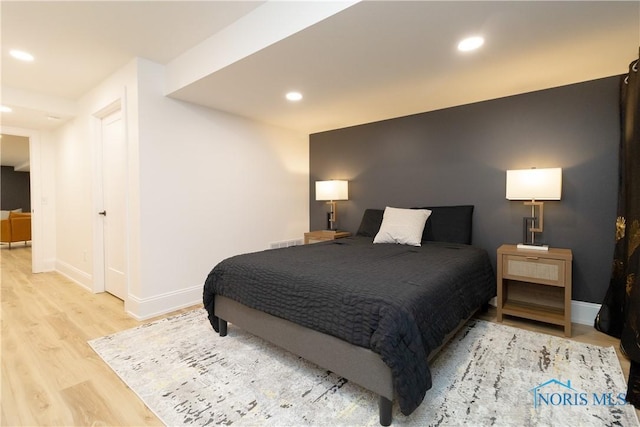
[
  {"x": 332, "y": 190},
  {"x": 534, "y": 184}
]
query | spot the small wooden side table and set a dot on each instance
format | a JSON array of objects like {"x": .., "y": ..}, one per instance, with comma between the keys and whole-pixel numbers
[
  {"x": 535, "y": 285},
  {"x": 324, "y": 235}
]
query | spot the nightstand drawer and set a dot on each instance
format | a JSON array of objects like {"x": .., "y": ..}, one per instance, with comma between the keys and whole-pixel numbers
[{"x": 533, "y": 268}]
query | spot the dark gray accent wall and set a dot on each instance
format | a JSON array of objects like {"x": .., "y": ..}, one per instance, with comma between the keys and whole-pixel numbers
[
  {"x": 15, "y": 191},
  {"x": 460, "y": 156}
]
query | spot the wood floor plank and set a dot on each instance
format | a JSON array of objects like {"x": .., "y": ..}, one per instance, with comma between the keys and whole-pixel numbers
[
  {"x": 50, "y": 375},
  {"x": 29, "y": 381},
  {"x": 89, "y": 406}
]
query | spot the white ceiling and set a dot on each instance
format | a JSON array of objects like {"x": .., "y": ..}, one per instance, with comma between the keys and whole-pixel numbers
[
  {"x": 372, "y": 61},
  {"x": 378, "y": 60},
  {"x": 79, "y": 44},
  {"x": 14, "y": 151}
]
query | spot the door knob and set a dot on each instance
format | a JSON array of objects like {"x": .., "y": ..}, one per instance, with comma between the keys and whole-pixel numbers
[{"x": 103, "y": 213}]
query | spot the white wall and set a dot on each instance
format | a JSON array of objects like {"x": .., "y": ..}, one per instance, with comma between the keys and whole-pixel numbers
[
  {"x": 212, "y": 185},
  {"x": 203, "y": 185},
  {"x": 75, "y": 157},
  {"x": 48, "y": 201},
  {"x": 73, "y": 213}
]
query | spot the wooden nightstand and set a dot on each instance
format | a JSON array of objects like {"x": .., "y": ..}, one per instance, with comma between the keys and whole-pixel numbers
[
  {"x": 535, "y": 285},
  {"x": 323, "y": 235}
]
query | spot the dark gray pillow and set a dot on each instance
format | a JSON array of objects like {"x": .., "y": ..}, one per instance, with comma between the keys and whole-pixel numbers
[
  {"x": 371, "y": 222},
  {"x": 451, "y": 224}
]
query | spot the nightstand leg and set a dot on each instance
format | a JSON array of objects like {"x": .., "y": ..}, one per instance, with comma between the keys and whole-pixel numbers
[
  {"x": 567, "y": 314},
  {"x": 500, "y": 300},
  {"x": 500, "y": 285}
]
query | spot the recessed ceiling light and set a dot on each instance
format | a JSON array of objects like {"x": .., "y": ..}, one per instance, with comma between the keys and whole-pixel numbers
[
  {"x": 470, "y": 43},
  {"x": 21, "y": 55},
  {"x": 5, "y": 109},
  {"x": 294, "y": 96}
]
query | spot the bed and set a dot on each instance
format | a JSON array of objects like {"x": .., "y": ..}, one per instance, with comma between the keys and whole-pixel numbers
[{"x": 371, "y": 313}]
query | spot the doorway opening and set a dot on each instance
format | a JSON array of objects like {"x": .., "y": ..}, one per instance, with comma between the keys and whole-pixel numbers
[{"x": 20, "y": 193}]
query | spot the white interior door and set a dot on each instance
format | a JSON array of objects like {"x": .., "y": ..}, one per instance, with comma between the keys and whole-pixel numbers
[{"x": 114, "y": 166}]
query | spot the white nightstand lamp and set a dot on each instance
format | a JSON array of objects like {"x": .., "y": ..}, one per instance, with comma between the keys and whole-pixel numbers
[
  {"x": 534, "y": 185},
  {"x": 330, "y": 191}
]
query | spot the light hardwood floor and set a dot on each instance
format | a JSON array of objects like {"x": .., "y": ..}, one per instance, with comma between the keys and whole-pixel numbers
[{"x": 50, "y": 375}]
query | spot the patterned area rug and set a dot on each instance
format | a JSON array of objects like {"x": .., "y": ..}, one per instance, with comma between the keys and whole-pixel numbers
[{"x": 489, "y": 374}]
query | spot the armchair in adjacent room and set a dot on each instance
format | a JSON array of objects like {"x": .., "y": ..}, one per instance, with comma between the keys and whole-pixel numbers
[{"x": 16, "y": 228}]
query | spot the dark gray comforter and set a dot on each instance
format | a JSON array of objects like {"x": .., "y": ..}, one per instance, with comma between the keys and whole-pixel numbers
[{"x": 399, "y": 301}]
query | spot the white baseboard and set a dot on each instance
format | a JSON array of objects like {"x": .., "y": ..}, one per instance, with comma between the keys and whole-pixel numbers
[
  {"x": 146, "y": 308},
  {"x": 49, "y": 264},
  {"x": 138, "y": 308},
  {"x": 80, "y": 277},
  {"x": 582, "y": 312}
]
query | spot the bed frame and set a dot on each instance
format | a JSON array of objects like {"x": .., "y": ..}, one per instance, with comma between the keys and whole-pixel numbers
[{"x": 357, "y": 364}]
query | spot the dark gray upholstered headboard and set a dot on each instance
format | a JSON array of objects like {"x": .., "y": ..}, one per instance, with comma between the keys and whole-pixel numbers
[{"x": 445, "y": 224}]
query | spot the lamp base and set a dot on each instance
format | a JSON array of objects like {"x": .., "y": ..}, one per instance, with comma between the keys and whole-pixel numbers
[{"x": 535, "y": 247}]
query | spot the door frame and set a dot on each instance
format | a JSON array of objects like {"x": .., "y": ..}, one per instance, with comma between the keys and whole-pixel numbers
[{"x": 99, "y": 267}]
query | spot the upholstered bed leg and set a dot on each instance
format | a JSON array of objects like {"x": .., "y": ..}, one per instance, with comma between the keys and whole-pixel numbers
[
  {"x": 385, "y": 406},
  {"x": 222, "y": 326},
  {"x": 484, "y": 307}
]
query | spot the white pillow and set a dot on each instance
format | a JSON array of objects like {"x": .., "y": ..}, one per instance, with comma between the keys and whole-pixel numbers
[
  {"x": 403, "y": 226},
  {"x": 5, "y": 214}
]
